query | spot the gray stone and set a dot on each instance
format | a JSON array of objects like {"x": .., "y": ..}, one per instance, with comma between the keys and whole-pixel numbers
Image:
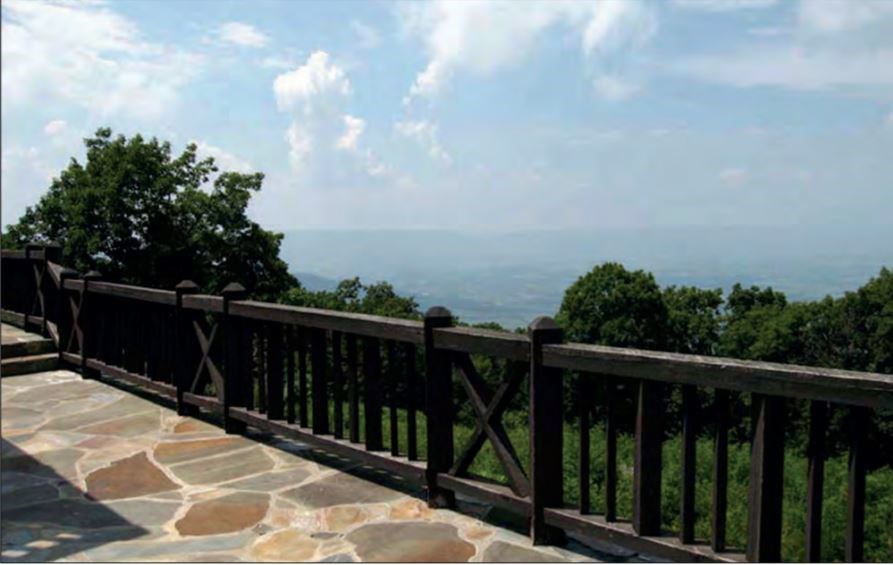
[
  {"x": 339, "y": 558},
  {"x": 270, "y": 482},
  {"x": 144, "y": 512},
  {"x": 340, "y": 489},
  {"x": 27, "y": 496},
  {"x": 410, "y": 542},
  {"x": 502, "y": 552},
  {"x": 140, "y": 550},
  {"x": 226, "y": 468},
  {"x": 66, "y": 513}
]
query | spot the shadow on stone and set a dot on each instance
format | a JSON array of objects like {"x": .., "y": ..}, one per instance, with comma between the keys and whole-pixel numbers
[{"x": 44, "y": 517}]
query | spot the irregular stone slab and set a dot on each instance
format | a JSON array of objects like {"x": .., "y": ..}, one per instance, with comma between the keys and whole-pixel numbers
[
  {"x": 410, "y": 541},
  {"x": 270, "y": 482},
  {"x": 339, "y": 558},
  {"x": 339, "y": 489},
  {"x": 12, "y": 481},
  {"x": 411, "y": 509},
  {"x": 67, "y": 513},
  {"x": 285, "y": 545},
  {"x": 219, "y": 469},
  {"x": 144, "y": 512},
  {"x": 50, "y": 391},
  {"x": 223, "y": 515},
  {"x": 193, "y": 426},
  {"x": 18, "y": 418},
  {"x": 342, "y": 518},
  {"x": 155, "y": 550},
  {"x": 52, "y": 463},
  {"x": 502, "y": 552},
  {"x": 29, "y": 495},
  {"x": 173, "y": 452},
  {"x": 126, "y": 478},
  {"x": 130, "y": 426},
  {"x": 127, "y": 406}
]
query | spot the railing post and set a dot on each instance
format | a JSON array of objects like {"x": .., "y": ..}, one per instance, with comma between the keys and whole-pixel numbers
[
  {"x": 29, "y": 277},
  {"x": 51, "y": 252},
  {"x": 64, "y": 323},
  {"x": 233, "y": 363},
  {"x": 764, "y": 499},
  {"x": 546, "y": 420},
  {"x": 647, "y": 466},
  {"x": 88, "y": 322},
  {"x": 439, "y": 408},
  {"x": 182, "y": 341}
]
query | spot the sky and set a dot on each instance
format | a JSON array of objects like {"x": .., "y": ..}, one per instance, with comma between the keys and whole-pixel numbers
[{"x": 475, "y": 115}]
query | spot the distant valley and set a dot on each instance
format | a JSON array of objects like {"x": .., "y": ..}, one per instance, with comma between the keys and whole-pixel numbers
[{"x": 512, "y": 277}]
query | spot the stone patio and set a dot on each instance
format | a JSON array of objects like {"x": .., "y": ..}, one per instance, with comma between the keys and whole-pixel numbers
[{"x": 91, "y": 472}]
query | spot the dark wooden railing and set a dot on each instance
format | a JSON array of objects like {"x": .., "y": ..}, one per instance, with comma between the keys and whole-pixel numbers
[{"x": 280, "y": 368}]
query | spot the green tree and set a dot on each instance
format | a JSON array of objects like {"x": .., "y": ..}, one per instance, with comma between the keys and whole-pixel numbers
[
  {"x": 351, "y": 295},
  {"x": 613, "y": 306},
  {"x": 142, "y": 216},
  {"x": 693, "y": 319}
]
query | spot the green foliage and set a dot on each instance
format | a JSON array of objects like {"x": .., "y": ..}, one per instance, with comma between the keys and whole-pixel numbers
[
  {"x": 613, "y": 306},
  {"x": 140, "y": 215},
  {"x": 351, "y": 295}
]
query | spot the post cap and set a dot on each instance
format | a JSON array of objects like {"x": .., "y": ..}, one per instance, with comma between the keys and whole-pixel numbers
[
  {"x": 543, "y": 323},
  {"x": 93, "y": 275},
  {"x": 186, "y": 286},
  {"x": 233, "y": 288},
  {"x": 438, "y": 312}
]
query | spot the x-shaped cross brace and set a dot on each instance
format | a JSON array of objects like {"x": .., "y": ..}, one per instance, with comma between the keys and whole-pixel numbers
[
  {"x": 39, "y": 271},
  {"x": 76, "y": 331},
  {"x": 489, "y": 425},
  {"x": 205, "y": 344}
]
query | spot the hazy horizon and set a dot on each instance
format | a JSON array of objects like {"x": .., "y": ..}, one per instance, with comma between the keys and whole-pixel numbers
[{"x": 511, "y": 277}]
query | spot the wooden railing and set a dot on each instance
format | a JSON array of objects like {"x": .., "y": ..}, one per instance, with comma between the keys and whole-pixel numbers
[{"x": 281, "y": 368}]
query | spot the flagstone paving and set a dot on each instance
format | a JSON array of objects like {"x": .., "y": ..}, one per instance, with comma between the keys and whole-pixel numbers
[{"x": 94, "y": 473}]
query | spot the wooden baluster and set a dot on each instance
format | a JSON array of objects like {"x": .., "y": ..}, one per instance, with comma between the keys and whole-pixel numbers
[
  {"x": 584, "y": 399},
  {"x": 233, "y": 389},
  {"x": 689, "y": 464},
  {"x": 855, "y": 526},
  {"x": 372, "y": 390},
  {"x": 249, "y": 346},
  {"x": 338, "y": 379},
  {"x": 353, "y": 397},
  {"x": 90, "y": 313},
  {"x": 720, "y": 469},
  {"x": 290, "y": 400},
  {"x": 818, "y": 425},
  {"x": 186, "y": 352},
  {"x": 65, "y": 321},
  {"x": 393, "y": 379},
  {"x": 610, "y": 450},
  {"x": 303, "y": 414},
  {"x": 546, "y": 410},
  {"x": 274, "y": 372},
  {"x": 439, "y": 409},
  {"x": 153, "y": 334},
  {"x": 648, "y": 465},
  {"x": 319, "y": 358},
  {"x": 262, "y": 345},
  {"x": 409, "y": 354},
  {"x": 764, "y": 501}
]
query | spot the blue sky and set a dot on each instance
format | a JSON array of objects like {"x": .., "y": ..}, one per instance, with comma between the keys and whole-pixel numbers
[{"x": 467, "y": 115}]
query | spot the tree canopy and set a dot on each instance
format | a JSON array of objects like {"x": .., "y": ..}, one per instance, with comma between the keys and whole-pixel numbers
[{"x": 140, "y": 215}]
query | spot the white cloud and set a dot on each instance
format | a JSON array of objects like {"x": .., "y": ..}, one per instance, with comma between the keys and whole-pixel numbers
[
  {"x": 367, "y": 36},
  {"x": 733, "y": 175},
  {"x": 88, "y": 55},
  {"x": 793, "y": 67},
  {"x": 425, "y": 134},
  {"x": 242, "y": 34},
  {"x": 832, "y": 16},
  {"x": 225, "y": 160},
  {"x": 722, "y": 5},
  {"x": 315, "y": 81},
  {"x": 613, "y": 88},
  {"x": 324, "y": 138},
  {"x": 55, "y": 127},
  {"x": 354, "y": 128},
  {"x": 484, "y": 37}
]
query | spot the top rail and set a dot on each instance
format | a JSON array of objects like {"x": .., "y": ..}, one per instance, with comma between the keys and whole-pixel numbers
[
  {"x": 834, "y": 385},
  {"x": 144, "y": 294},
  {"x": 362, "y": 324},
  {"x": 55, "y": 271},
  {"x": 22, "y": 254},
  {"x": 483, "y": 341}
]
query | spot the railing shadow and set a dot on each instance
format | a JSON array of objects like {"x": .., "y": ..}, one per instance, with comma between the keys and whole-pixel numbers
[{"x": 43, "y": 517}]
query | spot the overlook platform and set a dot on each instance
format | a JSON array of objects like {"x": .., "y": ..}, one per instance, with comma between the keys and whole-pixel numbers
[{"x": 91, "y": 472}]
